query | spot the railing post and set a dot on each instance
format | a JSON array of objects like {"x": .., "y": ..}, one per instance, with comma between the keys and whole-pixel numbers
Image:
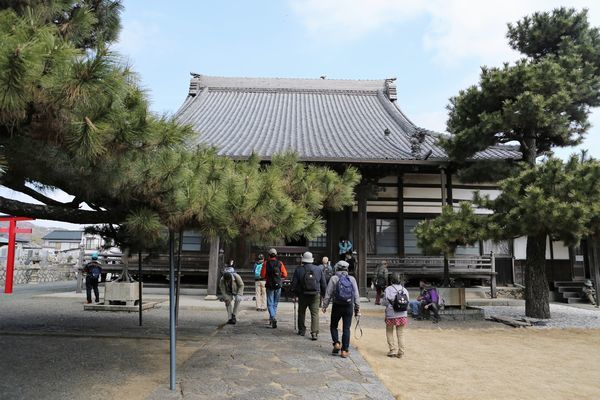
[
  {"x": 79, "y": 287},
  {"x": 493, "y": 272}
]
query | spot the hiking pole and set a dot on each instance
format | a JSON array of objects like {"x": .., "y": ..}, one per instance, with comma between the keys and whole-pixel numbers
[
  {"x": 295, "y": 319},
  {"x": 357, "y": 327}
]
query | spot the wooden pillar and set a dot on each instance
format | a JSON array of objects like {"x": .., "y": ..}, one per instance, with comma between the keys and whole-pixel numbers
[
  {"x": 443, "y": 185},
  {"x": 594, "y": 260},
  {"x": 362, "y": 239},
  {"x": 213, "y": 269},
  {"x": 401, "y": 215},
  {"x": 349, "y": 225},
  {"x": 493, "y": 276},
  {"x": 449, "y": 198}
]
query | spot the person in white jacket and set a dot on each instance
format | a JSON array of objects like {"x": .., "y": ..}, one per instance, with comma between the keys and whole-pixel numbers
[{"x": 395, "y": 321}]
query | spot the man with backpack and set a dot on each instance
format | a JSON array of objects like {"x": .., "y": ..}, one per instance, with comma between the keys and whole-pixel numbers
[
  {"x": 273, "y": 272},
  {"x": 259, "y": 285},
  {"x": 342, "y": 293},
  {"x": 380, "y": 280},
  {"x": 92, "y": 271},
  {"x": 308, "y": 284}
]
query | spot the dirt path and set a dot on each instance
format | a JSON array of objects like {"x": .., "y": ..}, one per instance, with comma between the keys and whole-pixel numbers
[{"x": 443, "y": 363}]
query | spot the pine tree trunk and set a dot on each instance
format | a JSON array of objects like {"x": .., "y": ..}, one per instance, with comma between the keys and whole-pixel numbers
[
  {"x": 537, "y": 304},
  {"x": 446, "y": 279}
]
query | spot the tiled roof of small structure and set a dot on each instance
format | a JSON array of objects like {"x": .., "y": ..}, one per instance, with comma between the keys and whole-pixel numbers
[
  {"x": 64, "y": 236},
  {"x": 320, "y": 119}
]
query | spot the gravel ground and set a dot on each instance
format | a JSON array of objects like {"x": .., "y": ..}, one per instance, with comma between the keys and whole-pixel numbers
[{"x": 562, "y": 316}]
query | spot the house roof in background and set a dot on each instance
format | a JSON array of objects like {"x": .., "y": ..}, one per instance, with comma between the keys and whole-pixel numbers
[
  {"x": 64, "y": 236},
  {"x": 320, "y": 119}
]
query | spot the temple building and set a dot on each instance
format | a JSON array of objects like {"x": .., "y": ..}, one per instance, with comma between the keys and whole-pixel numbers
[{"x": 407, "y": 176}]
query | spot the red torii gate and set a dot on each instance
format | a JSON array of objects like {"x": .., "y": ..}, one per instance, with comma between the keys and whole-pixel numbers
[{"x": 12, "y": 231}]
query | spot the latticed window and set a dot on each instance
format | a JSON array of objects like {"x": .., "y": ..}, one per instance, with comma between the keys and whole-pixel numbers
[
  {"x": 319, "y": 241},
  {"x": 383, "y": 236}
]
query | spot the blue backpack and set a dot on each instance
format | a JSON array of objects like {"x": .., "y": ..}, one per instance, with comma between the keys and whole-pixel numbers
[
  {"x": 344, "y": 291},
  {"x": 257, "y": 270}
]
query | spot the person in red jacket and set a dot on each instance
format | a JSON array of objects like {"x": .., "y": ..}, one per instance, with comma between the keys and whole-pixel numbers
[{"x": 273, "y": 272}]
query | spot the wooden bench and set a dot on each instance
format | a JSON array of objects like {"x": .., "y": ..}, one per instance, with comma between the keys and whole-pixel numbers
[{"x": 481, "y": 267}]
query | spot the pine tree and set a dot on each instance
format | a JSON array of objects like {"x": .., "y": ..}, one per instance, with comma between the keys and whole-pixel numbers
[
  {"x": 451, "y": 229},
  {"x": 73, "y": 117},
  {"x": 541, "y": 102}
]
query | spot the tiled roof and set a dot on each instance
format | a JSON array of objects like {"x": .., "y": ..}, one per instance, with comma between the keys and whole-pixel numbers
[
  {"x": 64, "y": 236},
  {"x": 320, "y": 119}
]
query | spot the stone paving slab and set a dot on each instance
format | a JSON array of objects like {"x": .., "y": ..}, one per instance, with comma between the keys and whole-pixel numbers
[{"x": 250, "y": 360}]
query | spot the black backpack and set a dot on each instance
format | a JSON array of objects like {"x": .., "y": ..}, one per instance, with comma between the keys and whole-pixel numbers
[
  {"x": 400, "y": 302},
  {"x": 273, "y": 274},
  {"x": 310, "y": 284}
]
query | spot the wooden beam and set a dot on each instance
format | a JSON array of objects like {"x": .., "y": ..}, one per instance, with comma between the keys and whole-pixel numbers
[{"x": 362, "y": 239}]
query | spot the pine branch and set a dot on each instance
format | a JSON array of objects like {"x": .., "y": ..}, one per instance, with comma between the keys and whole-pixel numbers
[
  {"x": 14, "y": 207},
  {"x": 22, "y": 188}
]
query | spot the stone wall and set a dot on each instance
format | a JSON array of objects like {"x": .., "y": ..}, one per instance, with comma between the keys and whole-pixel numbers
[{"x": 35, "y": 273}]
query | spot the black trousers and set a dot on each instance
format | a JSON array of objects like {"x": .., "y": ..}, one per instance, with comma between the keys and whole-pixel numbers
[
  {"x": 91, "y": 283},
  {"x": 343, "y": 312}
]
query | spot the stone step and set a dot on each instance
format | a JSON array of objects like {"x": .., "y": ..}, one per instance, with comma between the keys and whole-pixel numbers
[
  {"x": 571, "y": 295},
  {"x": 568, "y": 284},
  {"x": 564, "y": 289},
  {"x": 572, "y": 300}
]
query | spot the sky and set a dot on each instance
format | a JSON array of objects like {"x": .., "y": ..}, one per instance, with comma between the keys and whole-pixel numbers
[{"x": 434, "y": 48}]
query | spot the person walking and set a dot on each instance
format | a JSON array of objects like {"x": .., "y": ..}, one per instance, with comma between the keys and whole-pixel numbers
[
  {"x": 342, "y": 293},
  {"x": 381, "y": 280},
  {"x": 259, "y": 285},
  {"x": 395, "y": 300},
  {"x": 308, "y": 284},
  {"x": 273, "y": 272},
  {"x": 92, "y": 271},
  {"x": 232, "y": 289},
  {"x": 326, "y": 269}
]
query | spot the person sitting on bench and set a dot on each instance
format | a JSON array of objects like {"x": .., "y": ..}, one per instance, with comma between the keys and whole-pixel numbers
[{"x": 426, "y": 302}]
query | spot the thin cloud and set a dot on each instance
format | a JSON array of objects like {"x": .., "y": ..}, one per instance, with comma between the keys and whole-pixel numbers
[{"x": 457, "y": 29}]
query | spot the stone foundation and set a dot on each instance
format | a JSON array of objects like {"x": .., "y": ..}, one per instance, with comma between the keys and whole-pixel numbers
[
  {"x": 122, "y": 292},
  {"x": 37, "y": 273}
]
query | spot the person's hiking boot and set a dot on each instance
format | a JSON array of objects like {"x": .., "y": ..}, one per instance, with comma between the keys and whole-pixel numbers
[
  {"x": 399, "y": 355},
  {"x": 274, "y": 323},
  {"x": 301, "y": 332},
  {"x": 336, "y": 348},
  {"x": 233, "y": 320},
  {"x": 230, "y": 321},
  {"x": 344, "y": 354},
  {"x": 313, "y": 336},
  {"x": 392, "y": 354}
]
